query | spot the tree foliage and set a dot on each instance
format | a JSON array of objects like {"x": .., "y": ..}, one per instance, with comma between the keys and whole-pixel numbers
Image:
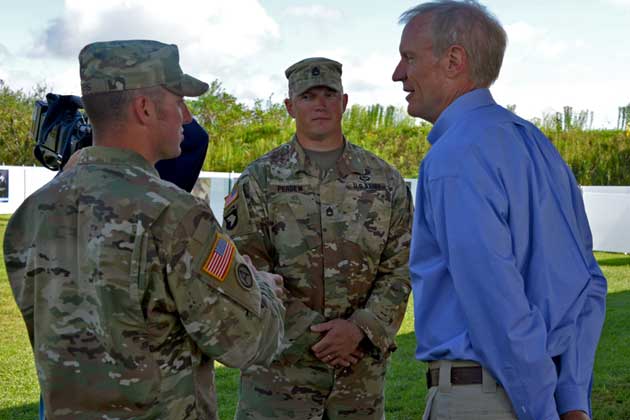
[
  {"x": 240, "y": 133},
  {"x": 16, "y": 109}
]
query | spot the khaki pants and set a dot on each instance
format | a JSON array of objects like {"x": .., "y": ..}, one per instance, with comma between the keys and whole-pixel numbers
[{"x": 486, "y": 401}]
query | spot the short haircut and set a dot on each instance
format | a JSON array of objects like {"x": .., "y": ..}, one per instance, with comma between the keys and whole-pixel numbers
[
  {"x": 110, "y": 108},
  {"x": 471, "y": 25}
]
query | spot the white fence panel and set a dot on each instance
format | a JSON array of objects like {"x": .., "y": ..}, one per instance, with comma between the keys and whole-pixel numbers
[
  {"x": 608, "y": 211},
  {"x": 214, "y": 186},
  {"x": 607, "y": 208},
  {"x": 21, "y": 182}
]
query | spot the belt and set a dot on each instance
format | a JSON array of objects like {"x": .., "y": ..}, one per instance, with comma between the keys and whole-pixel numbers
[{"x": 469, "y": 375}]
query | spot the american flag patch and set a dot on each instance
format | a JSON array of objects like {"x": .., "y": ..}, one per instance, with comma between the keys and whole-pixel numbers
[
  {"x": 229, "y": 199},
  {"x": 220, "y": 259}
]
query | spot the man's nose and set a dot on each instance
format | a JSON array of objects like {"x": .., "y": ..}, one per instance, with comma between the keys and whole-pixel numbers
[
  {"x": 320, "y": 101},
  {"x": 399, "y": 73}
]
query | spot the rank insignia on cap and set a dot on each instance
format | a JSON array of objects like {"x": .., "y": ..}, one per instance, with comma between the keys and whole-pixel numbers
[
  {"x": 219, "y": 261},
  {"x": 230, "y": 198},
  {"x": 315, "y": 71}
]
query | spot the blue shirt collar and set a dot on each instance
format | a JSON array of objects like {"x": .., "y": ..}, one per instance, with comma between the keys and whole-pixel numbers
[{"x": 459, "y": 107}]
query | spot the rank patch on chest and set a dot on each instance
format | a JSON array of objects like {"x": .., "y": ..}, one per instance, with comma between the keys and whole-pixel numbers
[{"x": 220, "y": 259}]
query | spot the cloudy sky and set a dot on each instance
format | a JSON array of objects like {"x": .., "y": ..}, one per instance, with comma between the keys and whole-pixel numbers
[{"x": 563, "y": 52}]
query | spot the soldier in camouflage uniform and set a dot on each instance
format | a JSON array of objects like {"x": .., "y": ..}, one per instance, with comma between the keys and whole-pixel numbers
[
  {"x": 334, "y": 220},
  {"x": 128, "y": 286}
]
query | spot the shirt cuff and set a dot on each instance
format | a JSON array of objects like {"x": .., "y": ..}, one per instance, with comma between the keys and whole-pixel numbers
[
  {"x": 572, "y": 398},
  {"x": 374, "y": 331},
  {"x": 298, "y": 337}
]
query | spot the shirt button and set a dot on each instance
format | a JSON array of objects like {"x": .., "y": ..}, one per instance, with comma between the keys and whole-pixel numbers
[{"x": 329, "y": 211}]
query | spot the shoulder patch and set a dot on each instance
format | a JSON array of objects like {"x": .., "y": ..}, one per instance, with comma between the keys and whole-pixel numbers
[
  {"x": 245, "y": 276},
  {"x": 231, "y": 218},
  {"x": 230, "y": 198},
  {"x": 219, "y": 261}
]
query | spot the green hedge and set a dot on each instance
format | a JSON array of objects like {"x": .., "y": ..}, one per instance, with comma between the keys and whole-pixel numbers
[{"x": 597, "y": 157}]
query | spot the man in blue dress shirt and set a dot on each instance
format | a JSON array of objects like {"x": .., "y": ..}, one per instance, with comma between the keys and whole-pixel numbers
[{"x": 509, "y": 300}]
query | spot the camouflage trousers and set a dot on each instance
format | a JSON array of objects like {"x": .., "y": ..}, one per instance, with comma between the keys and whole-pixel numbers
[{"x": 310, "y": 389}]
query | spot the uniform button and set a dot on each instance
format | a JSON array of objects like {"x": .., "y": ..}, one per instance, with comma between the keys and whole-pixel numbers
[{"x": 329, "y": 211}]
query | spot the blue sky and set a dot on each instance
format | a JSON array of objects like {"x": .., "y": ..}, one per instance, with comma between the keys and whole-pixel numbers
[{"x": 560, "y": 52}]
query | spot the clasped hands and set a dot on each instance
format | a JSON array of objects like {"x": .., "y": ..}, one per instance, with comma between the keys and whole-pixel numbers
[{"x": 339, "y": 346}]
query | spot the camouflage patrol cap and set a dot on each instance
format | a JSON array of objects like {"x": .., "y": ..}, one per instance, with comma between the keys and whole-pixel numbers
[
  {"x": 311, "y": 72},
  {"x": 124, "y": 65}
]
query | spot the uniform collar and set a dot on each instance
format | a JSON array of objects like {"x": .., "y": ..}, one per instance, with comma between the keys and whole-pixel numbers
[
  {"x": 115, "y": 156},
  {"x": 458, "y": 109},
  {"x": 349, "y": 162}
]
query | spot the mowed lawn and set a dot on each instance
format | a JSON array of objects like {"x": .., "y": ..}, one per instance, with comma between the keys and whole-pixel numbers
[{"x": 406, "y": 387}]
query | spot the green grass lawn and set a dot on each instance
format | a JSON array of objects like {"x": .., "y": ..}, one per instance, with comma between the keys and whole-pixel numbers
[{"x": 406, "y": 386}]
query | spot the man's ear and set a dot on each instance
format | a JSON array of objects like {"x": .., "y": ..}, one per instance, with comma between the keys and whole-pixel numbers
[
  {"x": 288, "y": 104},
  {"x": 456, "y": 61},
  {"x": 345, "y": 101},
  {"x": 143, "y": 109}
]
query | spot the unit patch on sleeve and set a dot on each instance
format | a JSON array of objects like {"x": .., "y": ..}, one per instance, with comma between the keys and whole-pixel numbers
[
  {"x": 231, "y": 218},
  {"x": 245, "y": 276},
  {"x": 220, "y": 259}
]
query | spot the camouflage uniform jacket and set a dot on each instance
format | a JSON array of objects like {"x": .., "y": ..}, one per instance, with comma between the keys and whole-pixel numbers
[
  {"x": 341, "y": 241},
  {"x": 109, "y": 266}
]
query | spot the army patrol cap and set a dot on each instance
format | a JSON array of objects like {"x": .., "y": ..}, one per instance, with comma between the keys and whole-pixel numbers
[
  {"x": 134, "y": 64},
  {"x": 311, "y": 72}
]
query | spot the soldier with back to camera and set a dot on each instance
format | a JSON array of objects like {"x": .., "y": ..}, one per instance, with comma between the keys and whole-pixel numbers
[{"x": 128, "y": 286}]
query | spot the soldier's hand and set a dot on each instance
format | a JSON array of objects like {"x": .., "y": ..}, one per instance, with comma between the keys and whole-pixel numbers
[
  {"x": 353, "y": 359},
  {"x": 575, "y": 415},
  {"x": 340, "y": 344},
  {"x": 274, "y": 280}
]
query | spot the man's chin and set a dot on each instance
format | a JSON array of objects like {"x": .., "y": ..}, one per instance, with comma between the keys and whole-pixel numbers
[
  {"x": 174, "y": 154},
  {"x": 413, "y": 112},
  {"x": 410, "y": 110}
]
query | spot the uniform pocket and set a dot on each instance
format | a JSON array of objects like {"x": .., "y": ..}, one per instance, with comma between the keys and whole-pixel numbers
[
  {"x": 367, "y": 214},
  {"x": 294, "y": 230}
]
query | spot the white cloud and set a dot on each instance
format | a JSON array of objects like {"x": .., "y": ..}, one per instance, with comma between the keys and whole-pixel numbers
[
  {"x": 625, "y": 3},
  {"x": 550, "y": 49},
  {"x": 521, "y": 32},
  {"x": 579, "y": 43},
  {"x": 4, "y": 52},
  {"x": 208, "y": 33},
  {"x": 527, "y": 42},
  {"x": 369, "y": 79},
  {"x": 316, "y": 11},
  {"x": 217, "y": 39}
]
